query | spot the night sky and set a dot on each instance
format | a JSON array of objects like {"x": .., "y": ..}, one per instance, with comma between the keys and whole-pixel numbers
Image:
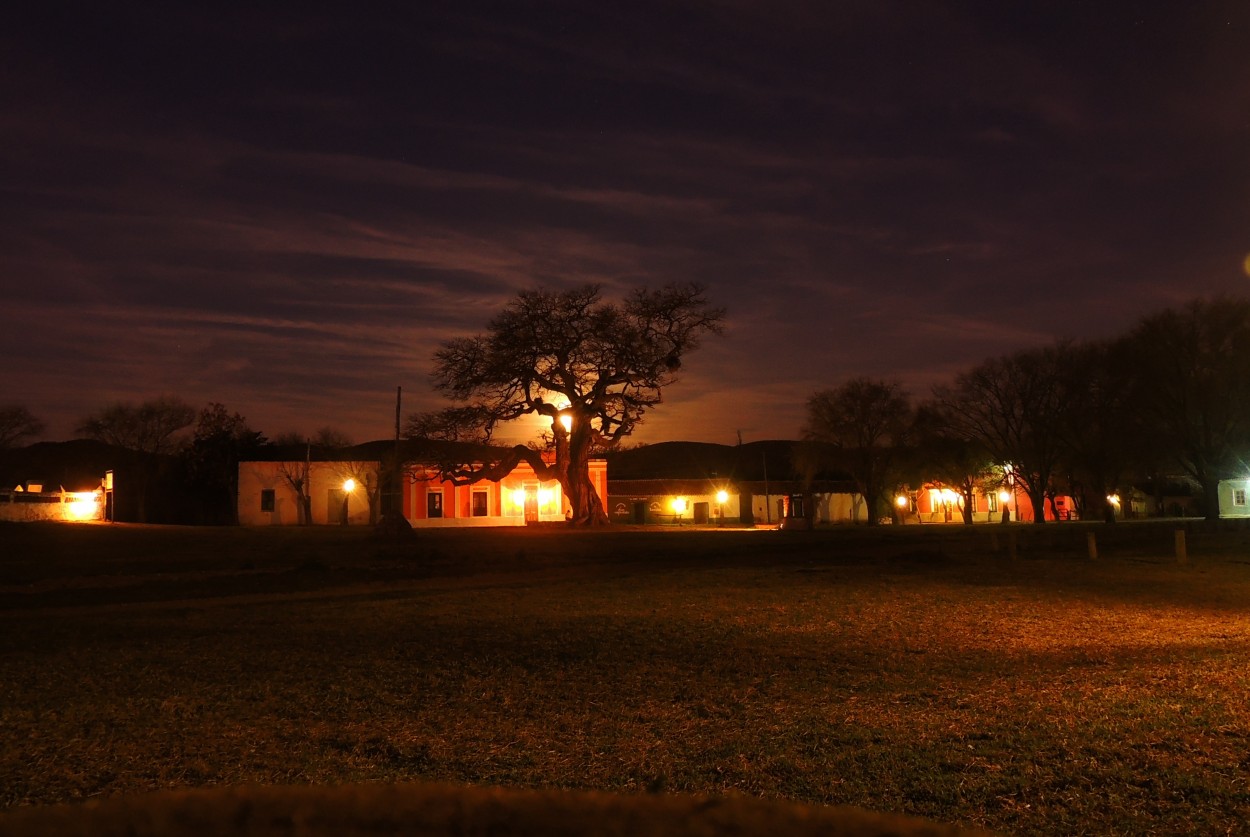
[{"x": 288, "y": 210}]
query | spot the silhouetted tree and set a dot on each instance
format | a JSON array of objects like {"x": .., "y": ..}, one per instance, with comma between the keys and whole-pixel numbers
[
  {"x": 17, "y": 423},
  {"x": 945, "y": 456},
  {"x": 1013, "y": 406},
  {"x": 861, "y": 427},
  {"x": 1099, "y": 427},
  {"x": 221, "y": 439},
  {"x": 332, "y": 438},
  {"x": 149, "y": 429},
  {"x": 569, "y": 355},
  {"x": 367, "y": 479},
  {"x": 455, "y": 424},
  {"x": 1193, "y": 387},
  {"x": 296, "y": 473}
]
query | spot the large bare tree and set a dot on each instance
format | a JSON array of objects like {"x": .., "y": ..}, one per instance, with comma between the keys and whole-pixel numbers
[
  {"x": 1100, "y": 428},
  {"x": 221, "y": 439},
  {"x": 17, "y": 423},
  {"x": 592, "y": 367},
  {"x": 1194, "y": 369},
  {"x": 1013, "y": 406},
  {"x": 150, "y": 429},
  {"x": 862, "y": 427},
  {"x": 952, "y": 459}
]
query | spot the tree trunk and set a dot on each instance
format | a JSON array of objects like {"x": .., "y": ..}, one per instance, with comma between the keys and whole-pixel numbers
[
  {"x": 870, "y": 500},
  {"x": 1037, "y": 499},
  {"x": 579, "y": 490},
  {"x": 1211, "y": 499}
]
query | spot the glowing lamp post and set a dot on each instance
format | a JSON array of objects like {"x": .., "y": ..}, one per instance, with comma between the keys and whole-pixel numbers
[
  {"x": 349, "y": 485},
  {"x": 722, "y": 497},
  {"x": 679, "y": 508}
]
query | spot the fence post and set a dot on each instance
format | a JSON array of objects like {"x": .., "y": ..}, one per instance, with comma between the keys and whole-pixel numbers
[
  {"x": 1091, "y": 543},
  {"x": 1182, "y": 557}
]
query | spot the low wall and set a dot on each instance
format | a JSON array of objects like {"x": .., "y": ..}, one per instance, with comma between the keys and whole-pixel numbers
[{"x": 70, "y": 507}]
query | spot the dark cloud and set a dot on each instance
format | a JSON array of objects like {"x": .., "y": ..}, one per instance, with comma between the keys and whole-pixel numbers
[{"x": 289, "y": 212}]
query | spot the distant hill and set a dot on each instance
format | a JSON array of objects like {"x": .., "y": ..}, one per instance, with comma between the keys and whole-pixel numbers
[
  {"x": 755, "y": 461},
  {"x": 77, "y": 465}
]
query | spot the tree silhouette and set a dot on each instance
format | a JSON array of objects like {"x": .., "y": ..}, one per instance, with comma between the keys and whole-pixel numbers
[
  {"x": 593, "y": 368},
  {"x": 861, "y": 427},
  {"x": 150, "y": 430},
  {"x": 1194, "y": 366},
  {"x": 1013, "y": 406},
  {"x": 17, "y": 423}
]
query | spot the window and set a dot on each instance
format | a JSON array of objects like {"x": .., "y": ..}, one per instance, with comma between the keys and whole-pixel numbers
[
  {"x": 991, "y": 498},
  {"x": 479, "y": 504},
  {"x": 1239, "y": 497},
  {"x": 434, "y": 503},
  {"x": 266, "y": 499}
]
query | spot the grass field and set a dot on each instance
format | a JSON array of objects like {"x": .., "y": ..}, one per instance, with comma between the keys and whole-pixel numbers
[{"x": 915, "y": 670}]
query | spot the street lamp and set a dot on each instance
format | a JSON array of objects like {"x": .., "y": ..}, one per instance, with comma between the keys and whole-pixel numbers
[
  {"x": 349, "y": 485},
  {"x": 722, "y": 497},
  {"x": 679, "y": 506}
]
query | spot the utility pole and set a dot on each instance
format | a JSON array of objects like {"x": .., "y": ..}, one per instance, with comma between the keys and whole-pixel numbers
[
  {"x": 397, "y": 494},
  {"x": 393, "y": 523},
  {"x": 768, "y": 500}
]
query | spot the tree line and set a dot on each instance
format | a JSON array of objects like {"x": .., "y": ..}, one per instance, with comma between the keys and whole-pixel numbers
[
  {"x": 1085, "y": 419},
  {"x": 181, "y": 464}
]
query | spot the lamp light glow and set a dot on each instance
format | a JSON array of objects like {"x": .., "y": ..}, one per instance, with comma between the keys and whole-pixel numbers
[
  {"x": 518, "y": 497},
  {"x": 83, "y": 506},
  {"x": 901, "y": 501},
  {"x": 679, "y": 505},
  {"x": 349, "y": 485},
  {"x": 722, "y": 496}
]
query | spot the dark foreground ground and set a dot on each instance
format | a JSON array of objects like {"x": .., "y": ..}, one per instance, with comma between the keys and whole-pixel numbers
[{"x": 915, "y": 671}]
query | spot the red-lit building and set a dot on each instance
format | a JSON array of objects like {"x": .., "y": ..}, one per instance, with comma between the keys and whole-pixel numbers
[{"x": 345, "y": 487}]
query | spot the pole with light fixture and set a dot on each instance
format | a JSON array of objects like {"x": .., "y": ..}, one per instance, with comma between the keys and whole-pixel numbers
[{"x": 349, "y": 485}]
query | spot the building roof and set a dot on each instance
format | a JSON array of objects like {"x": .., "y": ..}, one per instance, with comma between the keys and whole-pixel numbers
[
  {"x": 667, "y": 487},
  {"x": 766, "y": 460}
]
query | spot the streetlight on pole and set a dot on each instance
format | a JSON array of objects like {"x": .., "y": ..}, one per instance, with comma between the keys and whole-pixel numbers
[{"x": 349, "y": 485}]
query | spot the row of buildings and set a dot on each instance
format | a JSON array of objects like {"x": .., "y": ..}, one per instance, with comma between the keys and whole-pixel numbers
[{"x": 669, "y": 483}]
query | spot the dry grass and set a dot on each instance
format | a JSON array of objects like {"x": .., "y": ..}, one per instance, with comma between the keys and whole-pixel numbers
[{"x": 909, "y": 671}]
